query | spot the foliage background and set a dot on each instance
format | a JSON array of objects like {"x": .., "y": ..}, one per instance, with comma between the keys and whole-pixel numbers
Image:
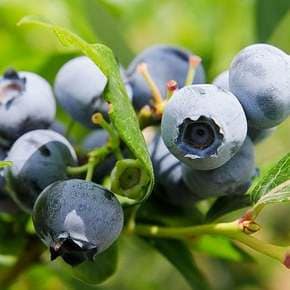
[{"x": 214, "y": 29}]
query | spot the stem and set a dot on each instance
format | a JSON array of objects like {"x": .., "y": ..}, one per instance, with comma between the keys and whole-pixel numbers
[
  {"x": 30, "y": 255},
  {"x": 193, "y": 62},
  {"x": 114, "y": 142},
  {"x": 172, "y": 86},
  {"x": 130, "y": 226},
  {"x": 232, "y": 230},
  {"x": 143, "y": 70},
  {"x": 179, "y": 232},
  {"x": 95, "y": 157},
  {"x": 76, "y": 170},
  {"x": 90, "y": 171},
  {"x": 273, "y": 251}
]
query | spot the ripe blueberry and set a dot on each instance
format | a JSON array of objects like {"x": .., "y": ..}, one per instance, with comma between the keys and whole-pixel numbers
[
  {"x": 2, "y": 180},
  {"x": 26, "y": 103},
  {"x": 259, "y": 77},
  {"x": 234, "y": 177},
  {"x": 39, "y": 158},
  {"x": 222, "y": 80},
  {"x": 167, "y": 169},
  {"x": 79, "y": 87},
  {"x": 164, "y": 63},
  {"x": 97, "y": 138},
  {"x": 204, "y": 126},
  {"x": 77, "y": 219},
  {"x": 259, "y": 135}
]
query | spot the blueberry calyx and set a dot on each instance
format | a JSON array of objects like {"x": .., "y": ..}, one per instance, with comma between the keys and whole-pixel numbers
[
  {"x": 200, "y": 137},
  {"x": 73, "y": 251},
  {"x": 11, "y": 86},
  {"x": 11, "y": 74}
]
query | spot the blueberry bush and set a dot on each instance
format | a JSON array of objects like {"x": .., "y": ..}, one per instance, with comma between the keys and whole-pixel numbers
[{"x": 109, "y": 160}]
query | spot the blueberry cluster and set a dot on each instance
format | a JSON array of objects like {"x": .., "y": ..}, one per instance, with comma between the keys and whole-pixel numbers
[
  {"x": 208, "y": 131},
  {"x": 201, "y": 145},
  {"x": 76, "y": 219}
]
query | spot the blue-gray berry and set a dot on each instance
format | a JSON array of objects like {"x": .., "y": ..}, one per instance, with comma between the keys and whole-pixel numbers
[
  {"x": 164, "y": 63},
  {"x": 39, "y": 158},
  {"x": 222, "y": 80},
  {"x": 77, "y": 219},
  {"x": 204, "y": 126},
  {"x": 26, "y": 103},
  {"x": 259, "y": 77},
  {"x": 259, "y": 135},
  {"x": 79, "y": 86},
  {"x": 167, "y": 169},
  {"x": 232, "y": 178}
]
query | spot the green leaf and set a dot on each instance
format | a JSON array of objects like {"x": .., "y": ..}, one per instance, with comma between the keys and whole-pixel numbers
[
  {"x": 268, "y": 15},
  {"x": 101, "y": 269},
  {"x": 179, "y": 255},
  {"x": 5, "y": 164},
  {"x": 279, "y": 194},
  {"x": 278, "y": 174},
  {"x": 273, "y": 187},
  {"x": 98, "y": 16},
  {"x": 121, "y": 113},
  {"x": 220, "y": 247},
  {"x": 226, "y": 204}
]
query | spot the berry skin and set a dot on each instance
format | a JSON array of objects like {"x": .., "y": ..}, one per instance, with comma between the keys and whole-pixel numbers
[
  {"x": 204, "y": 126},
  {"x": 259, "y": 77},
  {"x": 97, "y": 138},
  {"x": 39, "y": 158},
  {"x": 222, "y": 80},
  {"x": 77, "y": 219},
  {"x": 2, "y": 180},
  {"x": 232, "y": 178},
  {"x": 26, "y": 103},
  {"x": 167, "y": 170},
  {"x": 164, "y": 63},
  {"x": 259, "y": 135},
  {"x": 79, "y": 87},
  {"x": 58, "y": 127}
]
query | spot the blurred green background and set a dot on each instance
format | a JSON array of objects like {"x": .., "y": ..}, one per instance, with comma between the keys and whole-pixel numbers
[{"x": 214, "y": 29}]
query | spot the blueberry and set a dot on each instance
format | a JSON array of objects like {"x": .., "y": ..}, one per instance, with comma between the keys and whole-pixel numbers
[
  {"x": 164, "y": 63},
  {"x": 259, "y": 135},
  {"x": 259, "y": 77},
  {"x": 77, "y": 219},
  {"x": 96, "y": 139},
  {"x": 58, "y": 127},
  {"x": 204, "y": 126},
  {"x": 26, "y": 103},
  {"x": 222, "y": 80},
  {"x": 39, "y": 158},
  {"x": 79, "y": 87},
  {"x": 167, "y": 169},
  {"x": 2, "y": 180},
  {"x": 232, "y": 178}
]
